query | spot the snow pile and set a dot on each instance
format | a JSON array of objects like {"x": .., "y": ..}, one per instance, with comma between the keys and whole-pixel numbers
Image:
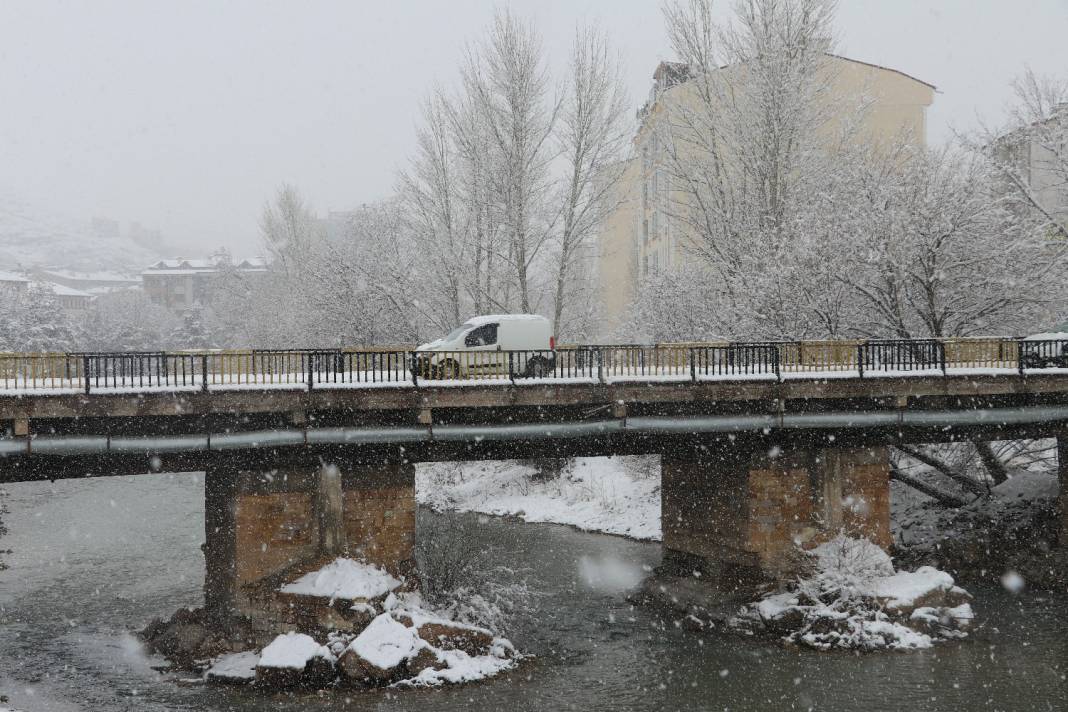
[
  {"x": 854, "y": 599},
  {"x": 409, "y": 647},
  {"x": 292, "y": 651},
  {"x": 344, "y": 578},
  {"x": 385, "y": 638},
  {"x": 460, "y": 667},
  {"x": 461, "y": 652},
  {"x": 611, "y": 495},
  {"x": 905, "y": 589},
  {"x": 385, "y": 643},
  {"x": 235, "y": 668}
]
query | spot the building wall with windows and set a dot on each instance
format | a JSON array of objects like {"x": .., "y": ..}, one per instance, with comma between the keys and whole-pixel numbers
[
  {"x": 643, "y": 235},
  {"x": 1045, "y": 165}
]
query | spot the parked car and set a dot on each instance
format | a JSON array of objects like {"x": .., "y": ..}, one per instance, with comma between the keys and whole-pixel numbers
[
  {"x": 1049, "y": 350},
  {"x": 496, "y": 344}
]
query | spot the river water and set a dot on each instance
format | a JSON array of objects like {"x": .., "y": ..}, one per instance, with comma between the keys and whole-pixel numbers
[{"x": 94, "y": 559}]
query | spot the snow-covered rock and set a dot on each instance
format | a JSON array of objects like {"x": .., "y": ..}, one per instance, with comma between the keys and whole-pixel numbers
[
  {"x": 376, "y": 654},
  {"x": 289, "y": 650},
  {"x": 235, "y": 668},
  {"x": 448, "y": 635},
  {"x": 908, "y": 590},
  {"x": 410, "y": 647},
  {"x": 344, "y": 578},
  {"x": 854, "y": 599},
  {"x": 293, "y": 659}
]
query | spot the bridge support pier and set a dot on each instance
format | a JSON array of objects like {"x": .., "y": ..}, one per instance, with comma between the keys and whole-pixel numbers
[
  {"x": 740, "y": 516},
  {"x": 262, "y": 527}
]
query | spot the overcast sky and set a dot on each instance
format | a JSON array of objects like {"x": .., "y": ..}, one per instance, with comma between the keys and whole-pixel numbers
[{"x": 186, "y": 115}]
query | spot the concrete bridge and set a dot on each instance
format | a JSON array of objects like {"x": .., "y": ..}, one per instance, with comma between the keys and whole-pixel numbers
[{"x": 753, "y": 461}]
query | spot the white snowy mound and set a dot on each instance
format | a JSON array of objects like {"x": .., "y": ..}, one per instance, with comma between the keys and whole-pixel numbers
[
  {"x": 292, "y": 651},
  {"x": 344, "y": 578},
  {"x": 385, "y": 643},
  {"x": 854, "y": 599}
]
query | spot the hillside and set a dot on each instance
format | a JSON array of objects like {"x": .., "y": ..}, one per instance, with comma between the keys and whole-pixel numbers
[{"x": 34, "y": 237}]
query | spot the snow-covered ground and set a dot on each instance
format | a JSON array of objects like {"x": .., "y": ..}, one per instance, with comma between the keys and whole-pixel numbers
[
  {"x": 613, "y": 495},
  {"x": 920, "y": 523}
]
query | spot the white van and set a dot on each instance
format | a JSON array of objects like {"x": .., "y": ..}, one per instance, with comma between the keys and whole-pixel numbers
[{"x": 481, "y": 345}]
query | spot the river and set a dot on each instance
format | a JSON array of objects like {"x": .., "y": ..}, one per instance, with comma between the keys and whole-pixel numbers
[{"x": 92, "y": 560}]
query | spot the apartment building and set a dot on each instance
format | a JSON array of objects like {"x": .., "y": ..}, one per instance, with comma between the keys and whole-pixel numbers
[{"x": 639, "y": 237}]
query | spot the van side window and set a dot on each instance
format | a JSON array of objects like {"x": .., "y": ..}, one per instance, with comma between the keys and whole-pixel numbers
[{"x": 485, "y": 335}]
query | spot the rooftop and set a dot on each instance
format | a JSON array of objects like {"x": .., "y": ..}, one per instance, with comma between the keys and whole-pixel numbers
[{"x": 179, "y": 265}]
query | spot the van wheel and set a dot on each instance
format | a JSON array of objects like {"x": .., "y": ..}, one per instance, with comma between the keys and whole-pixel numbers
[
  {"x": 449, "y": 370},
  {"x": 537, "y": 367}
]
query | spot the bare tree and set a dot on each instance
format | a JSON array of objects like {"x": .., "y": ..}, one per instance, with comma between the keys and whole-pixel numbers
[
  {"x": 592, "y": 134},
  {"x": 742, "y": 138},
  {"x": 509, "y": 84},
  {"x": 941, "y": 251},
  {"x": 436, "y": 215},
  {"x": 287, "y": 225},
  {"x": 1031, "y": 150}
]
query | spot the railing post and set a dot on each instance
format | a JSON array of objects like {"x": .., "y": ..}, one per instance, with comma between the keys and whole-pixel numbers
[
  {"x": 85, "y": 373},
  {"x": 204, "y": 372},
  {"x": 778, "y": 371},
  {"x": 1020, "y": 356},
  {"x": 311, "y": 370},
  {"x": 860, "y": 360},
  {"x": 693, "y": 365},
  {"x": 414, "y": 359},
  {"x": 600, "y": 365},
  {"x": 511, "y": 367},
  {"x": 942, "y": 355}
]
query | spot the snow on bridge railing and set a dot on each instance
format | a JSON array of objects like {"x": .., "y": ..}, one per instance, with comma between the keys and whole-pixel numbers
[{"x": 90, "y": 372}]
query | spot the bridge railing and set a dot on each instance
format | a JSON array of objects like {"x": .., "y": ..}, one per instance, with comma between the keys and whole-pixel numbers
[
  {"x": 340, "y": 368},
  {"x": 896, "y": 355}
]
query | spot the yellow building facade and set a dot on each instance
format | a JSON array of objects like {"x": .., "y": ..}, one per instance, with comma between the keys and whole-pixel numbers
[{"x": 638, "y": 237}]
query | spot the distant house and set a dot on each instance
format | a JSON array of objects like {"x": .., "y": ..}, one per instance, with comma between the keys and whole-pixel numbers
[
  {"x": 180, "y": 284},
  {"x": 69, "y": 299},
  {"x": 16, "y": 285},
  {"x": 94, "y": 283},
  {"x": 12, "y": 284}
]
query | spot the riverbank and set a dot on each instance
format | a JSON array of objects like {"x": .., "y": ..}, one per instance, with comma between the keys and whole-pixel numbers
[
  {"x": 1013, "y": 530},
  {"x": 608, "y": 495}
]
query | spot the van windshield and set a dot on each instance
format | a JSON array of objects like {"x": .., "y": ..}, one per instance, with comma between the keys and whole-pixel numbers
[{"x": 455, "y": 333}]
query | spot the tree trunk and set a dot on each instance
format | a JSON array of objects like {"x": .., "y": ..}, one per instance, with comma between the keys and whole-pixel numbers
[
  {"x": 945, "y": 499},
  {"x": 969, "y": 483},
  {"x": 993, "y": 464}
]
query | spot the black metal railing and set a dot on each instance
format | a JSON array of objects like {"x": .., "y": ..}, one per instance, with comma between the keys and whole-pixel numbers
[
  {"x": 339, "y": 368},
  {"x": 736, "y": 360},
  {"x": 901, "y": 355}
]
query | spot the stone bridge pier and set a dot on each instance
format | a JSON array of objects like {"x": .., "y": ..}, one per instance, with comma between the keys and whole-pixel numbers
[
  {"x": 263, "y": 527},
  {"x": 740, "y": 515}
]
